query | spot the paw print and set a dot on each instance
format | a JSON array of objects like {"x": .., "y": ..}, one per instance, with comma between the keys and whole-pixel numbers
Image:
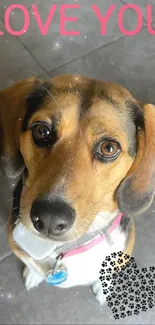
[
  {"x": 140, "y": 276},
  {"x": 104, "y": 264},
  {"x": 151, "y": 293},
  {"x": 148, "y": 288},
  {"x": 120, "y": 254},
  {"x": 120, "y": 261},
  {"x": 131, "y": 290},
  {"x": 152, "y": 269},
  {"x": 129, "y": 271},
  {"x": 113, "y": 255},
  {"x": 136, "y": 272},
  {"x": 119, "y": 297},
  {"x": 108, "y": 258},
  {"x": 116, "y": 316},
  {"x": 126, "y": 277},
  {"x": 144, "y": 270},
  {"x": 143, "y": 302},
  {"x": 115, "y": 276},
  {"x": 113, "y": 295},
  {"x": 111, "y": 288},
  {"x": 108, "y": 277},
  {"x": 120, "y": 281},
  {"x": 148, "y": 275},
  {"x": 126, "y": 257},
  {"x": 131, "y": 305},
  {"x": 142, "y": 288},
  {"x": 144, "y": 295},
  {"x": 136, "y": 312},
  {"x": 131, "y": 298},
  {"x": 132, "y": 260},
  {"x": 122, "y": 308},
  {"x": 137, "y": 299},
  {"x": 150, "y": 300},
  {"x": 150, "y": 282},
  {"x": 129, "y": 283},
  {"x": 104, "y": 285},
  {"x": 114, "y": 310},
  {"x": 105, "y": 292},
  {"x": 121, "y": 274},
  {"x": 117, "y": 303},
  {"x": 138, "y": 306},
  {"x": 153, "y": 288},
  {"x": 151, "y": 305},
  {"x": 116, "y": 268},
  {"x": 124, "y": 294},
  {"x": 133, "y": 277},
  {"x": 103, "y": 272},
  {"x": 112, "y": 263},
  {"x": 129, "y": 312},
  {"x": 137, "y": 292},
  {"x": 124, "y": 287},
  {"x": 109, "y": 298},
  {"x": 144, "y": 308},
  {"x": 110, "y": 304},
  {"x": 125, "y": 301},
  {"x": 113, "y": 282},
  {"x": 122, "y": 315},
  {"x": 144, "y": 282},
  {"x": 118, "y": 289}
]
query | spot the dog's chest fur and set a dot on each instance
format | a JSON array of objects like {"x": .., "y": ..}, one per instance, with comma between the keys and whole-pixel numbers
[{"x": 84, "y": 268}]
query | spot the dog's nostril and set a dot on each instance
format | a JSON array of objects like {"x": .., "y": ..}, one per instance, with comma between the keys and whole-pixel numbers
[
  {"x": 60, "y": 228},
  {"x": 38, "y": 224}
]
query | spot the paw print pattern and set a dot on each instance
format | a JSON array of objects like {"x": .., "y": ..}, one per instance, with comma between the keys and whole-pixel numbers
[{"x": 131, "y": 290}]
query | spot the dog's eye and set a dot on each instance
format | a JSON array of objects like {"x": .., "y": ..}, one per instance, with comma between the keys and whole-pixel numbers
[
  {"x": 43, "y": 134},
  {"x": 108, "y": 150}
]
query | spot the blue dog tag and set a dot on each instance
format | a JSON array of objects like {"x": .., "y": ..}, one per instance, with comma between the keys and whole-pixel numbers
[{"x": 57, "y": 278}]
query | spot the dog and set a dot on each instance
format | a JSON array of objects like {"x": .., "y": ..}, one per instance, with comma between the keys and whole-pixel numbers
[{"x": 84, "y": 153}]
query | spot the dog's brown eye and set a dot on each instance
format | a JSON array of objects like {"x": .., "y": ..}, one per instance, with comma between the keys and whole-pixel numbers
[
  {"x": 43, "y": 134},
  {"x": 108, "y": 150}
]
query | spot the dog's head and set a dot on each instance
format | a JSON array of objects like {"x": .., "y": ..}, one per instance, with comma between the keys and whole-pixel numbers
[{"x": 87, "y": 148}]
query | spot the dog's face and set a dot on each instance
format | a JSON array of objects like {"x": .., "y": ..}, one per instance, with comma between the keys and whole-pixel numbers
[{"x": 82, "y": 143}]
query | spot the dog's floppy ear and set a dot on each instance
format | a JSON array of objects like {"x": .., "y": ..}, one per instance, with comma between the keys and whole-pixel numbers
[
  {"x": 137, "y": 190},
  {"x": 13, "y": 107}
]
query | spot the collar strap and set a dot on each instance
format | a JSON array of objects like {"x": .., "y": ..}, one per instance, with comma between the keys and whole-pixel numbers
[{"x": 96, "y": 241}]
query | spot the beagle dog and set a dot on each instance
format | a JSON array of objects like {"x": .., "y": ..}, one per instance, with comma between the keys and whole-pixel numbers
[{"x": 84, "y": 153}]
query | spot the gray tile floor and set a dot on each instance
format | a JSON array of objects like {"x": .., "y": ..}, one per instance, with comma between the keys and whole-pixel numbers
[{"x": 116, "y": 57}]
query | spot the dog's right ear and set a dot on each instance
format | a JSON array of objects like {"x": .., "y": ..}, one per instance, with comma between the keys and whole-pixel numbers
[{"x": 13, "y": 107}]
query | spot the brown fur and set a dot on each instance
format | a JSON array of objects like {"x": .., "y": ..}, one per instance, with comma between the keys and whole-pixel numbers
[{"x": 69, "y": 169}]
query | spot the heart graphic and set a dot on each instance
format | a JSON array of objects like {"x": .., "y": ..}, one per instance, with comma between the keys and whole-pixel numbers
[{"x": 128, "y": 290}]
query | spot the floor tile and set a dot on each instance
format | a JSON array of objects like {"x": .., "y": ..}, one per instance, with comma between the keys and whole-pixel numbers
[
  {"x": 16, "y": 62},
  {"x": 142, "y": 4},
  {"x": 128, "y": 61}
]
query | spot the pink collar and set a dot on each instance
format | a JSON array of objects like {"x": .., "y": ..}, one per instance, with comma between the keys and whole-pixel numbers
[{"x": 97, "y": 240}]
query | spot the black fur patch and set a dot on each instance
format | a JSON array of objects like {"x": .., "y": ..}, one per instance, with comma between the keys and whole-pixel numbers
[{"x": 35, "y": 100}]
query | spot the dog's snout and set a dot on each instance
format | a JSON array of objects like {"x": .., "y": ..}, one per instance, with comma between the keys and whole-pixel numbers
[{"x": 52, "y": 218}]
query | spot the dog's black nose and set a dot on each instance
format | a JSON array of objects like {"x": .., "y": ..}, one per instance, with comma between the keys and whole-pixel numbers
[{"x": 52, "y": 218}]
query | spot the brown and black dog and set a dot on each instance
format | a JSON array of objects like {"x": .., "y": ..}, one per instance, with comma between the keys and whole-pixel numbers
[{"x": 86, "y": 149}]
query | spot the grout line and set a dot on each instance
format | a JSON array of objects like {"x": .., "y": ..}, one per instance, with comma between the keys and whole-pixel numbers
[
  {"x": 88, "y": 53},
  {"x": 125, "y": 3},
  {"x": 93, "y": 51},
  {"x": 5, "y": 256}
]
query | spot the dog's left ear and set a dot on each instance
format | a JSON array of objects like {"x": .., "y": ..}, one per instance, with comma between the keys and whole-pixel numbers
[
  {"x": 13, "y": 107},
  {"x": 137, "y": 190}
]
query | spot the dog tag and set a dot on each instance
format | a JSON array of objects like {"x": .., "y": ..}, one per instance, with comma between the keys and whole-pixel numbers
[{"x": 57, "y": 278}]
